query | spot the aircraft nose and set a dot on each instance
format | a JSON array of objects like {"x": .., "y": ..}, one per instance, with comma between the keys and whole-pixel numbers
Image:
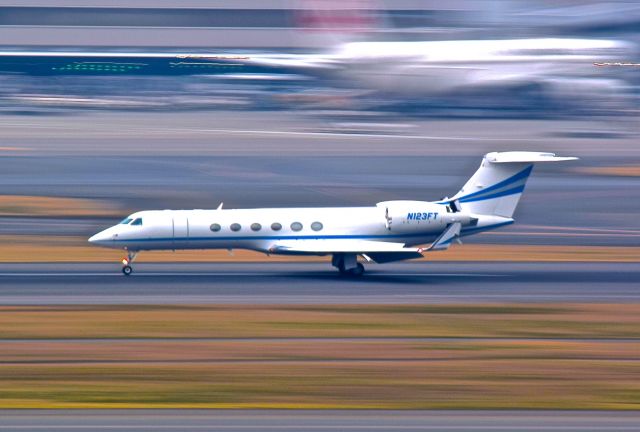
[{"x": 101, "y": 237}]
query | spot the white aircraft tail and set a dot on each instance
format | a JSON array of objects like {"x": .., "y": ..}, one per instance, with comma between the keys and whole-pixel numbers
[{"x": 497, "y": 185}]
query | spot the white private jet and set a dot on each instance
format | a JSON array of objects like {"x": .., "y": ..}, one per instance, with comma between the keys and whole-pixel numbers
[{"x": 389, "y": 231}]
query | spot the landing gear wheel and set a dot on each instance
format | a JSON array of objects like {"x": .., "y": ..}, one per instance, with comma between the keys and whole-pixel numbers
[
  {"x": 358, "y": 270},
  {"x": 126, "y": 262},
  {"x": 341, "y": 261}
]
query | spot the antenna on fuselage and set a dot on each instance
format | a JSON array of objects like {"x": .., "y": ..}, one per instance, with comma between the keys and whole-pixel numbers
[
  {"x": 220, "y": 206},
  {"x": 388, "y": 219}
]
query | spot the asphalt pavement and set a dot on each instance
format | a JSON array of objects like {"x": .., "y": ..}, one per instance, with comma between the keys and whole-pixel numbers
[{"x": 318, "y": 283}]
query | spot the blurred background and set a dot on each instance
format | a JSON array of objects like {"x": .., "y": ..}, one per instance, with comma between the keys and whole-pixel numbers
[
  {"x": 353, "y": 102},
  {"x": 112, "y": 107},
  {"x": 420, "y": 58}
]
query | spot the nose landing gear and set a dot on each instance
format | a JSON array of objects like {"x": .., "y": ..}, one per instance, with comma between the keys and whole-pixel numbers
[{"x": 126, "y": 263}]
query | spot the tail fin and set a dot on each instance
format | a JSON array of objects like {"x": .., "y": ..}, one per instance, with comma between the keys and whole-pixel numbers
[{"x": 497, "y": 185}]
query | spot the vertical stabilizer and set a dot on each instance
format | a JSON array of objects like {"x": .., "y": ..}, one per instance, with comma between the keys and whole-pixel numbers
[{"x": 496, "y": 186}]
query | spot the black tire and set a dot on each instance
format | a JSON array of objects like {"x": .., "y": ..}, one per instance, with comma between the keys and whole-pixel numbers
[
  {"x": 127, "y": 270},
  {"x": 358, "y": 270}
]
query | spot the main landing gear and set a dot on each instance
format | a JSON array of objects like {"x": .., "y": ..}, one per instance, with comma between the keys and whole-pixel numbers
[
  {"x": 347, "y": 264},
  {"x": 126, "y": 263}
]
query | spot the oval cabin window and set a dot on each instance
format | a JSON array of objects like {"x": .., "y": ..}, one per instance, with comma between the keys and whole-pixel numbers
[
  {"x": 316, "y": 226},
  {"x": 256, "y": 227},
  {"x": 235, "y": 227},
  {"x": 296, "y": 226},
  {"x": 276, "y": 226},
  {"x": 215, "y": 227}
]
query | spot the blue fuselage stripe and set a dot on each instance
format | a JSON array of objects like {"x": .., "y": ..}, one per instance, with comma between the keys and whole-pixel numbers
[{"x": 301, "y": 237}]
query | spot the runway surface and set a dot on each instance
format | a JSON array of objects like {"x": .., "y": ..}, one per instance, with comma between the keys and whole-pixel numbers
[
  {"x": 318, "y": 283},
  {"x": 383, "y": 421}
]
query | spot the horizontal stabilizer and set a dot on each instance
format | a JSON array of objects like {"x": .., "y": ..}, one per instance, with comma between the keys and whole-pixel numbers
[
  {"x": 524, "y": 157},
  {"x": 444, "y": 241}
]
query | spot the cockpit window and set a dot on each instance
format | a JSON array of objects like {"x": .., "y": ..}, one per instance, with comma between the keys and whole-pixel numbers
[
  {"x": 126, "y": 221},
  {"x": 137, "y": 222}
]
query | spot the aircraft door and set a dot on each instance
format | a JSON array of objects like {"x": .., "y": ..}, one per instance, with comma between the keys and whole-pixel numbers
[{"x": 180, "y": 230}]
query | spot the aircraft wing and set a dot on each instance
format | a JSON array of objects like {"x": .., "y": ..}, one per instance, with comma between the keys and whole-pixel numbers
[{"x": 378, "y": 251}]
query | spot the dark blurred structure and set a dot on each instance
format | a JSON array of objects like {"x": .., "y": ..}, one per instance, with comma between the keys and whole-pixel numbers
[{"x": 498, "y": 80}]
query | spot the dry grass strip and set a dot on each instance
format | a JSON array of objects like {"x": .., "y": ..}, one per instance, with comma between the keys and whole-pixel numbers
[
  {"x": 240, "y": 321},
  {"x": 542, "y": 356}
]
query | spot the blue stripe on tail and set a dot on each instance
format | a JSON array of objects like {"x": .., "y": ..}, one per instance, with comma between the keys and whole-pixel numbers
[{"x": 492, "y": 191}]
